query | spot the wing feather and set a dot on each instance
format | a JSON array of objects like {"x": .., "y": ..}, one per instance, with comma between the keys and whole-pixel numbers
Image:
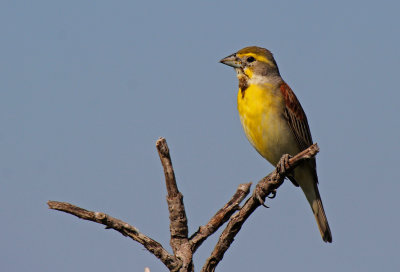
[{"x": 297, "y": 121}]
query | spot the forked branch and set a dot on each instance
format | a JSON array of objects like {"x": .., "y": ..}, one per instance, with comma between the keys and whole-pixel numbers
[{"x": 183, "y": 247}]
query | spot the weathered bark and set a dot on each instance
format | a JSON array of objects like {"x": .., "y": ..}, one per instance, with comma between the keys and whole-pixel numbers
[{"x": 182, "y": 246}]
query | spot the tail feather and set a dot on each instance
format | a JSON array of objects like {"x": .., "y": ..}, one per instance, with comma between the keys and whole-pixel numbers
[
  {"x": 320, "y": 217},
  {"x": 307, "y": 178}
]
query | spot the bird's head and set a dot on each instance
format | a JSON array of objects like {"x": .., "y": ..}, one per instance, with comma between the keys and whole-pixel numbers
[{"x": 253, "y": 62}]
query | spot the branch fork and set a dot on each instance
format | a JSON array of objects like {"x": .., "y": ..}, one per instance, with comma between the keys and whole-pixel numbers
[{"x": 182, "y": 245}]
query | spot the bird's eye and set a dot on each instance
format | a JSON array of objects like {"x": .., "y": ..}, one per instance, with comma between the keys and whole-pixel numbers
[{"x": 250, "y": 59}]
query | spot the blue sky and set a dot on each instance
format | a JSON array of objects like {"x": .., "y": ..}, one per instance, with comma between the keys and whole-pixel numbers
[{"x": 87, "y": 87}]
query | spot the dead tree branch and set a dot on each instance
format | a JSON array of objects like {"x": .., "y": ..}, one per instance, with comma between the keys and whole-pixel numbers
[
  {"x": 266, "y": 186},
  {"x": 220, "y": 217},
  {"x": 124, "y": 228},
  {"x": 183, "y": 247},
  {"x": 177, "y": 215}
]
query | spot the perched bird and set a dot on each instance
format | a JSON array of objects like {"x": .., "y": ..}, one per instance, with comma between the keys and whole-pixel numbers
[{"x": 274, "y": 121}]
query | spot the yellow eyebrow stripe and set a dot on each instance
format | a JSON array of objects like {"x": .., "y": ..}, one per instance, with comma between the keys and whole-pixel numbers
[{"x": 257, "y": 57}]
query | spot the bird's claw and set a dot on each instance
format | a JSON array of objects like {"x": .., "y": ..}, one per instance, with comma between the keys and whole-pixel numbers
[
  {"x": 273, "y": 194},
  {"x": 259, "y": 198},
  {"x": 283, "y": 164}
]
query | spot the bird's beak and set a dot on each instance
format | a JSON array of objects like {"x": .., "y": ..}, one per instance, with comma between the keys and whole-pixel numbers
[{"x": 232, "y": 60}]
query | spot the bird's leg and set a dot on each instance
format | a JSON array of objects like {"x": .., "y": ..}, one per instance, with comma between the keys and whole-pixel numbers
[
  {"x": 283, "y": 164},
  {"x": 281, "y": 168}
]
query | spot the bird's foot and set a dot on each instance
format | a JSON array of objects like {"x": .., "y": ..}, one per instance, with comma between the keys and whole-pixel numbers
[
  {"x": 283, "y": 164},
  {"x": 259, "y": 198}
]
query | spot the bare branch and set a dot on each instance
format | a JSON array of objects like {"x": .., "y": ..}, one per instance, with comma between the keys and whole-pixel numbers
[
  {"x": 177, "y": 215},
  {"x": 220, "y": 217},
  {"x": 264, "y": 187},
  {"x": 182, "y": 246},
  {"x": 122, "y": 227},
  {"x": 163, "y": 152}
]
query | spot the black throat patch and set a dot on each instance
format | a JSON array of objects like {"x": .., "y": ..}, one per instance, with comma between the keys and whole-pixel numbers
[{"x": 243, "y": 85}]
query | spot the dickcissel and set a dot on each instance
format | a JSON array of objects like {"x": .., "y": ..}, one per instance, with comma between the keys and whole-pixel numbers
[{"x": 274, "y": 121}]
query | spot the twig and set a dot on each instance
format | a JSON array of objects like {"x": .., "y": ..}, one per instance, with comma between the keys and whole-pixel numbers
[
  {"x": 264, "y": 187},
  {"x": 165, "y": 157},
  {"x": 177, "y": 215},
  {"x": 220, "y": 217},
  {"x": 122, "y": 227}
]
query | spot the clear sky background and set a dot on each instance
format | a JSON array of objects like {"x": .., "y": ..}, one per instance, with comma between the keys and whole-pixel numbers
[{"x": 87, "y": 87}]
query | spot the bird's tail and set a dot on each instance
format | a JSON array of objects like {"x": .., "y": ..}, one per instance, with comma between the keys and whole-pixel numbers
[
  {"x": 320, "y": 217},
  {"x": 307, "y": 178}
]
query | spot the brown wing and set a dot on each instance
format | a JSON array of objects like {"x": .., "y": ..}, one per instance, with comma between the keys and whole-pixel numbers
[{"x": 297, "y": 121}]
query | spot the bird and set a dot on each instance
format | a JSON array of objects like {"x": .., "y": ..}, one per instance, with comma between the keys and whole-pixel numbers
[{"x": 274, "y": 121}]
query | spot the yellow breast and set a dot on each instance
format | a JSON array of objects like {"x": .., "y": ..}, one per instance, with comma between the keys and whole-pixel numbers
[{"x": 261, "y": 109}]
